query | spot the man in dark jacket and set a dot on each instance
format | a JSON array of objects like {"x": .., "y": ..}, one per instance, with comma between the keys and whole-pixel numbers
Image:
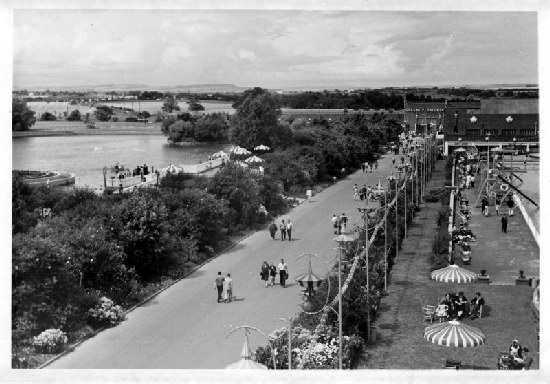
[{"x": 504, "y": 223}]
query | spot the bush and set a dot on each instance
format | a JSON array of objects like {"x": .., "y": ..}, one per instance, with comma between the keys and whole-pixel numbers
[
  {"x": 50, "y": 341},
  {"x": 105, "y": 314}
]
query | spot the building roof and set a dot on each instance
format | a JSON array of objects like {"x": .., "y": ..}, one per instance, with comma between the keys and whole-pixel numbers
[
  {"x": 472, "y": 104},
  {"x": 509, "y": 106},
  {"x": 427, "y": 105}
]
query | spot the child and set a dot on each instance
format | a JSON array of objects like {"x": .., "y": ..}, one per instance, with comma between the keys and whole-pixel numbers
[{"x": 441, "y": 310}]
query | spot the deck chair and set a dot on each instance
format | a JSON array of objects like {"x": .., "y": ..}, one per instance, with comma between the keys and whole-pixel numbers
[{"x": 428, "y": 311}]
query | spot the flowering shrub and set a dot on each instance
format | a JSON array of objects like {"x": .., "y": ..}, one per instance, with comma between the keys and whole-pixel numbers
[
  {"x": 106, "y": 313},
  {"x": 50, "y": 341}
]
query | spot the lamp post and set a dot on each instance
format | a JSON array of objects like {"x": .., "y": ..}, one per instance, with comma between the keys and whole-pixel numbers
[
  {"x": 289, "y": 321},
  {"x": 365, "y": 212},
  {"x": 342, "y": 239}
]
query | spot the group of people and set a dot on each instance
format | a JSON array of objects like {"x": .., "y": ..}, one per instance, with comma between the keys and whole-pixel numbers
[
  {"x": 366, "y": 166},
  {"x": 224, "y": 286},
  {"x": 268, "y": 272},
  {"x": 363, "y": 193},
  {"x": 453, "y": 306},
  {"x": 520, "y": 356},
  {"x": 285, "y": 228},
  {"x": 339, "y": 223}
]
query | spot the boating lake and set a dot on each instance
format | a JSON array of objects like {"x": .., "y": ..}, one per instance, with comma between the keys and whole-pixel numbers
[{"x": 85, "y": 156}]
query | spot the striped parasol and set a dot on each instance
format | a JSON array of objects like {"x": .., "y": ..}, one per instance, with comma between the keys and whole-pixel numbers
[
  {"x": 262, "y": 147},
  {"x": 454, "y": 334},
  {"x": 219, "y": 154},
  {"x": 308, "y": 277},
  {"x": 453, "y": 274},
  {"x": 254, "y": 159}
]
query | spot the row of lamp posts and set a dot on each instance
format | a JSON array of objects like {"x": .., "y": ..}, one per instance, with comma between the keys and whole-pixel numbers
[{"x": 424, "y": 167}]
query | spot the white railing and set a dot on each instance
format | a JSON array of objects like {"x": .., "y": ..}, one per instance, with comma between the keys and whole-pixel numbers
[
  {"x": 527, "y": 218},
  {"x": 206, "y": 166}
]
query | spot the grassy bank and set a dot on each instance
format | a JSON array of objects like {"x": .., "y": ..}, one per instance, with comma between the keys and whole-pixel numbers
[{"x": 72, "y": 128}]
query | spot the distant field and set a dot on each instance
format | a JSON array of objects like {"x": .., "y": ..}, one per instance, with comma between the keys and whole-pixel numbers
[
  {"x": 152, "y": 107},
  {"x": 62, "y": 127}
]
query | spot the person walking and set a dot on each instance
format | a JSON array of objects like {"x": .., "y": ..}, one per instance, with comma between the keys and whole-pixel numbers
[
  {"x": 484, "y": 203},
  {"x": 355, "y": 192},
  {"x": 273, "y": 229},
  {"x": 510, "y": 204},
  {"x": 272, "y": 273},
  {"x": 283, "y": 272},
  {"x": 339, "y": 225},
  {"x": 497, "y": 204},
  {"x": 289, "y": 230},
  {"x": 219, "y": 285},
  {"x": 344, "y": 221},
  {"x": 228, "y": 289},
  {"x": 282, "y": 227},
  {"x": 335, "y": 224},
  {"x": 363, "y": 167},
  {"x": 376, "y": 165},
  {"x": 504, "y": 224},
  {"x": 264, "y": 272}
]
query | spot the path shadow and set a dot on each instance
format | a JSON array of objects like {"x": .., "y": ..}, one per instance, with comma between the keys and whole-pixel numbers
[
  {"x": 195, "y": 274},
  {"x": 237, "y": 299},
  {"x": 235, "y": 248},
  {"x": 475, "y": 367},
  {"x": 151, "y": 302}
]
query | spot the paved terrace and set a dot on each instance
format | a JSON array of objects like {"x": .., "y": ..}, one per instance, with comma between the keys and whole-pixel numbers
[
  {"x": 501, "y": 254},
  {"x": 508, "y": 314}
]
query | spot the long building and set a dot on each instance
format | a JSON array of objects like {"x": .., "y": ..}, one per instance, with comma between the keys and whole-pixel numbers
[{"x": 491, "y": 123}]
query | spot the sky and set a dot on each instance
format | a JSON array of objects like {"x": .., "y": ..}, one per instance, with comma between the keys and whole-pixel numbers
[{"x": 273, "y": 49}]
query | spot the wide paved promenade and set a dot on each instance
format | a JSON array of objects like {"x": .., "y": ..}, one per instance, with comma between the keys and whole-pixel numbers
[
  {"x": 184, "y": 327},
  {"x": 501, "y": 254}
]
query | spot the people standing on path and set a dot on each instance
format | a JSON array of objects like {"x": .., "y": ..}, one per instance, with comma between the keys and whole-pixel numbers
[
  {"x": 393, "y": 160},
  {"x": 264, "y": 272},
  {"x": 228, "y": 289},
  {"x": 376, "y": 165},
  {"x": 497, "y": 204},
  {"x": 219, "y": 285},
  {"x": 484, "y": 203},
  {"x": 363, "y": 167},
  {"x": 363, "y": 193},
  {"x": 371, "y": 165},
  {"x": 510, "y": 204},
  {"x": 282, "y": 227},
  {"x": 289, "y": 230},
  {"x": 504, "y": 224},
  {"x": 283, "y": 273},
  {"x": 355, "y": 192},
  {"x": 338, "y": 225},
  {"x": 344, "y": 221},
  {"x": 273, "y": 229},
  {"x": 335, "y": 224},
  {"x": 272, "y": 273}
]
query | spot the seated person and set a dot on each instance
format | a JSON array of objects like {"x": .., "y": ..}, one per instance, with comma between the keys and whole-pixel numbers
[
  {"x": 527, "y": 360},
  {"x": 460, "y": 305},
  {"x": 450, "y": 305},
  {"x": 475, "y": 305},
  {"x": 441, "y": 310},
  {"x": 516, "y": 351}
]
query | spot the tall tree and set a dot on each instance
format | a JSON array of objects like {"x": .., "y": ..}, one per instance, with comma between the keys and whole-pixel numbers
[
  {"x": 255, "y": 119},
  {"x": 170, "y": 104},
  {"x": 22, "y": 118}
]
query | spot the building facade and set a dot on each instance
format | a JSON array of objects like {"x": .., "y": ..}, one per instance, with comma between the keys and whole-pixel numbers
[{"x": 491, "y": 123}]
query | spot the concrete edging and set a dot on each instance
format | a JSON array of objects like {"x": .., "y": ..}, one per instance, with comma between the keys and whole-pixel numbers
[{"x": 528, "y": 220}]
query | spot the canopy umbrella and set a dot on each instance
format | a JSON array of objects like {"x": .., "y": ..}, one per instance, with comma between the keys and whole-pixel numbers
[
  {"x": 242, "y": 151},
  {"x": 459, "y": 149},
  {"x": 246, "y": 362},
  {"x": 453, "y": 274},
  {"x": 308, "y": 277},
  {"x": 343, "y": 238},
  {"x": 454, "y": 334},
  {"x": 219, "y": 154},
  {"x": 254, "y": 159},
  {"x": 262, "y": 147},
  {"x": 172, "y": 169}
]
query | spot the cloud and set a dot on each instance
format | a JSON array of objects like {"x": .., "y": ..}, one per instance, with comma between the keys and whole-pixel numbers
[
  {"x": 270, "y": 48},
  {"x": 247, "y": 55}
]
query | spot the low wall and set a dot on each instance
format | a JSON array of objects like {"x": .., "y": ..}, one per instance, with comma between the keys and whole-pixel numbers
[{"x": 527, "y": 218}]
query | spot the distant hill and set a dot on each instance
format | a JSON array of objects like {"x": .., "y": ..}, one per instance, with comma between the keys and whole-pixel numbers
[{"x": 209, "y": 88}]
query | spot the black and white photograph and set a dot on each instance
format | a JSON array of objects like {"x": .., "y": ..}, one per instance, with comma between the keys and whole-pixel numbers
[{"x": 200, "y": 186}]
